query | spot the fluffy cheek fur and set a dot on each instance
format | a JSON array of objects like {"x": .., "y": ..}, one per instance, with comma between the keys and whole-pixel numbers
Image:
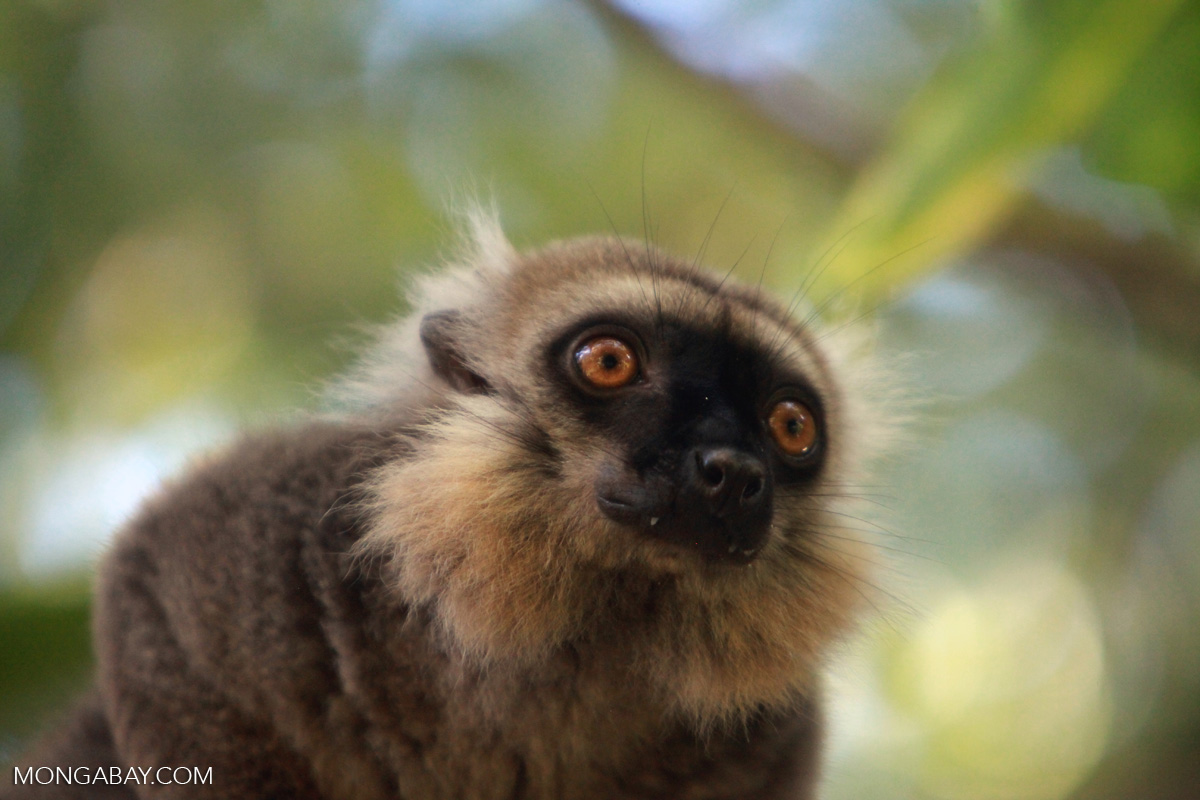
[
  {"x": 511, "y": 573},
  {"x": 464, "y": 535}
]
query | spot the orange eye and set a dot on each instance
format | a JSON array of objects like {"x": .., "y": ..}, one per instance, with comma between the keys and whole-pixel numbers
[
  {"x": 607, "y": 362},
  {"x": 793, "y": 427}
]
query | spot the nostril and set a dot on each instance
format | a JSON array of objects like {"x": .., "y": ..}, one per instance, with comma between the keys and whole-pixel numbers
[
  {"x": 753, "y": 487},
  {"x": 711, "y": 469},
  {"x": 714, "y": 475}
]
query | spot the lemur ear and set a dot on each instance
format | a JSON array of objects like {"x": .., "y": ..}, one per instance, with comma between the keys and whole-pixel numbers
[{"x": 438, "y": 334}]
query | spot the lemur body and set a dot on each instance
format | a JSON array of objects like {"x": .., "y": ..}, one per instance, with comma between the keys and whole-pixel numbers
[{"x": 582, "y": 538}]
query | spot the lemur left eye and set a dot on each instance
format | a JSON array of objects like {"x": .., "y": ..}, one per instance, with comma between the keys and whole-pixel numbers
[
  {"x": 793, "y": 427},
  {"x": 607, "y": 362}
]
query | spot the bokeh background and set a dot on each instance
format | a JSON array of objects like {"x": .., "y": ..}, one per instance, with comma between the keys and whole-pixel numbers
[{"x": 201, "y": 202}]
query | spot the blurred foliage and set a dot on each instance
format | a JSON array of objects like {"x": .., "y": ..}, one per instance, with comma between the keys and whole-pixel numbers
[
  {"x": 958, "y": 160},
  {"x": 45, "y": 654},
  {"x": 195, "y": 199},
  {"x": 1148, "y": 133}
]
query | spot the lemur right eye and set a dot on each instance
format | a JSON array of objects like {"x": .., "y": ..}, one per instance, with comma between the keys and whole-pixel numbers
[
  {"x": 607, "y": 362},
  {"x": 792, "y": 427}
]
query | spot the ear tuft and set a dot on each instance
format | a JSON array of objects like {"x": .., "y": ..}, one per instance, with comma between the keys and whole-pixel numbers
[
  {"x": 485, "y": 246},
  {"x": 439, "y": 335}
]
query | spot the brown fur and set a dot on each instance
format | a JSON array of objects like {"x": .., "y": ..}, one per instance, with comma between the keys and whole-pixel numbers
[{"x": 415, "y": 600}]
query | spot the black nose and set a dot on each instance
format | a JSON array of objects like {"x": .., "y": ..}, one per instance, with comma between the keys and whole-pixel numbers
[{"x": 732, "y": 482}]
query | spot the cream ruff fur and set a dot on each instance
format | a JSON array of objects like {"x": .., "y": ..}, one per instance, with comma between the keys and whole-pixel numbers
[{"x": 515, "y": 562}]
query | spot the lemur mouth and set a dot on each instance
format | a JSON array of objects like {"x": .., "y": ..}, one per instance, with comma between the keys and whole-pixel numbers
[
  {"x": 715, "y": 539},
  {"x": 624, "y": 509}
]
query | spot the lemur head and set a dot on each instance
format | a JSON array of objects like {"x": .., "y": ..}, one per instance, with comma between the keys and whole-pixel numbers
[{"x": 609, "y": 433}]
